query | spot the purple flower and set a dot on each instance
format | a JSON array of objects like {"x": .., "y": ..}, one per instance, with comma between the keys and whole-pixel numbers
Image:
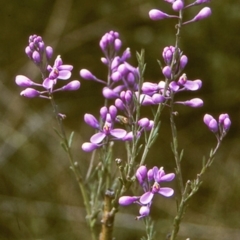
[
  {"x": 106, "y": 130},
  {"x": 183, "y": 84},
  {"x": 150, "y": 182},
  {"x": 58, "y": 71},
  {"x": 219, "y": 128},
  {"x": 158, "y": 177}
]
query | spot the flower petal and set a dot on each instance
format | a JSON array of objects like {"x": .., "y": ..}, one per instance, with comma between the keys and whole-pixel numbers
[
  {"x": 168, "y": 177},
  {"x": 146, "y": 198},
  {"x": 48, "y": 83},
  {"x": 98, "y": 137},
  {"x": 118, "y": 132},
  {"x": 174, "y": 86},
  {"x": 65, "y": 67},
  {"x": 192, "y": 85},
  {"x": 64, "y": 74},
  {"x": 166, "y": 192}
]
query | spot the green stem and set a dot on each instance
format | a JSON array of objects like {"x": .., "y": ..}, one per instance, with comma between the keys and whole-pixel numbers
[
  {"x": 76, "y": 171},
  {"x": 191, "y": 187}
]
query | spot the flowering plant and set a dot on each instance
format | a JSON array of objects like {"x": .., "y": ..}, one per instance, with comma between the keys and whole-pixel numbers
[{"x": 121, "y": 120}]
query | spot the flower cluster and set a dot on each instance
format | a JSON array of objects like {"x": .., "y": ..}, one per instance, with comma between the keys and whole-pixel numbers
[
  {"x": 178, "y": 5},
  {"x": 41, "y": 55},
  {"x": 155, "y": 93},
  {"x": 219, "y": 128},
  {"x": 106, "y": 130},
  {"x": 150, "y": 182},
  {"x": 122, "y": 87}
]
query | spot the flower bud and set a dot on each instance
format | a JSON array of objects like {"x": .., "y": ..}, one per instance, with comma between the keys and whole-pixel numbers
[
  {"x": 127, "y": 200},
  {"x": 28, "y": 51},
  {"x": 168, "y": 54},
  {"x": 109, "y": 93},
  {"x": 149, "y": 88},
  {"x": 30, "y": 93},
  {"x": 150, "y": 126},
  {"x": 143, "y": 211},
  {"x": 158, "y": 98},
  {"x": 128, "y": 96},
  {"x": 91, "y": 120},
  {"x": 204, "y": 13},
  {"x": 89, "y": 147},
  {"x": 72, "y": 86},
  {"x": 23, "y": 81},
  {"x": 202, "y": 1},
  {"x": 156, "y": 14},
  {"x": 222, "y": 117},
  {"x": 167, "y": 72},
  {"x": 49, "y": 52},
  {"x": 36, "y": 57},
  {"x": 103, "y": 112},
  {"x": 104, "y": 61},
  {"x": 141, "y": 174},
  {"x": 126, "y": 54},
  {"x": 116, "y": 76},
  {"x": 117, "y": 44},
  {"x": 226, "y": 124},
  {"x": 211, "y": 123},
  {"x": 113, "y": 111},
  {"x": 207, "y": 118},
  {"x": 213, "y": 126},
  {"x": 84, "y": 73},
  {"x": 225, "y": 121},
  {"x": 143, "y": 122},
  {"x": 183, "y": 61},
  {"x": 150, "y": 174},
  {"x": 119, "y": 104},
  {"x": 195, "y": 102},
  {"x": 178, "y": 5}
]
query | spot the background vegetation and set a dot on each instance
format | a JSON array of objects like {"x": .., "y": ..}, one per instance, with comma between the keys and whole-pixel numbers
[{"x": 39, "y": 198}]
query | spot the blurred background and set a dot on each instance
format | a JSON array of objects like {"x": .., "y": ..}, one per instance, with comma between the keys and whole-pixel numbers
[{"x": 39, "y": 197}]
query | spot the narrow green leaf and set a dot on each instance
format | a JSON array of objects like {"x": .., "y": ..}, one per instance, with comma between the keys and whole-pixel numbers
[
  {"x": 70, "y": 139},
  {"x": 181, "y": 155}
]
